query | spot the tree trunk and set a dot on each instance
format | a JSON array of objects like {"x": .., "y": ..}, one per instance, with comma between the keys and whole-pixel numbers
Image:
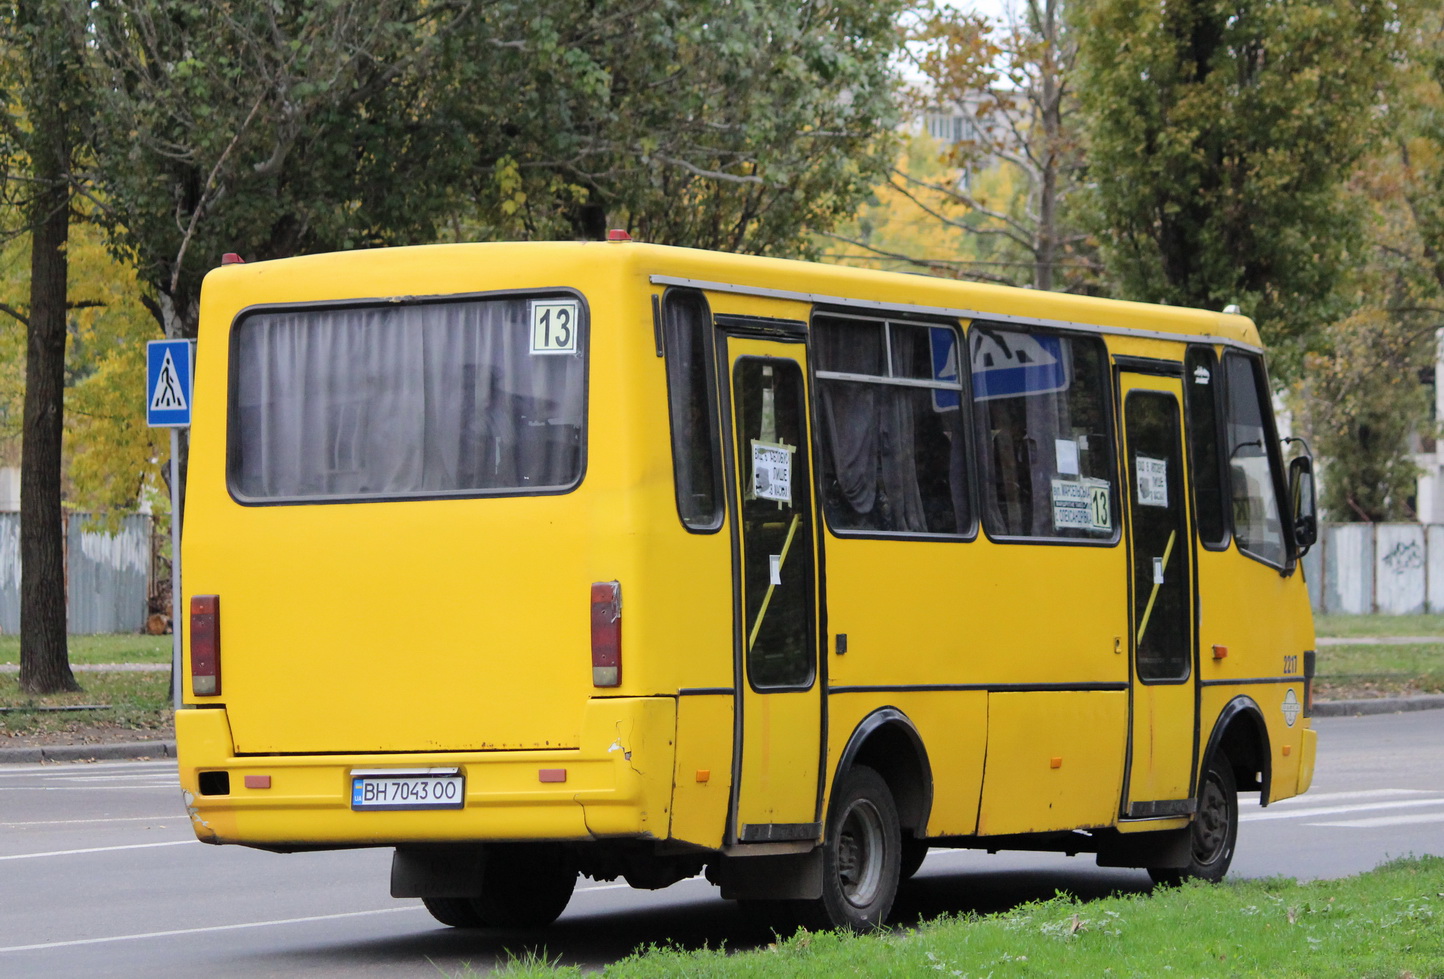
[{"x": 44, "y": 659}]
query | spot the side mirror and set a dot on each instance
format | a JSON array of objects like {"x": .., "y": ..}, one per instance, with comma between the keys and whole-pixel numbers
[{"x": 1305, "y": 503}]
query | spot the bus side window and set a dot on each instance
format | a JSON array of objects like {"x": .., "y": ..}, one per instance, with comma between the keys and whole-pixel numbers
[
  {"x": 692, "y": 405},
  {"x": 890, "y": 409},
  {"x": 1254, "y": 476},
  {"x": 1045, "y": 438},
  {"x": 1202, "y": 381}
]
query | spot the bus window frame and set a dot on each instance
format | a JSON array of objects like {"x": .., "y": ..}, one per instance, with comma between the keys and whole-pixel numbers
[
  {"x": 1220, "y": 426},
  {"x": 321, "y": 306},
  {"x": 712, "y": 397},
  {"x": 1111, "y": 418},
  {"x": 883, "y": 316},
  {"x": 1259, "y": 373}
]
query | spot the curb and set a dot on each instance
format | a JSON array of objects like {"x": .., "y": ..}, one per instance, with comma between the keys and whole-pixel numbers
[
  {"x": 89, "y": 752},
  {"x": 1383, "y": 705}
]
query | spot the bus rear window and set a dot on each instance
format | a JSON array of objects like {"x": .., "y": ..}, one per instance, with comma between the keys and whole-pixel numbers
[{"x": 427, "y": 399}]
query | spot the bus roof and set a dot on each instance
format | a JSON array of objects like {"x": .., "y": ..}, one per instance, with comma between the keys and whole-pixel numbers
[{"x": 421, "y": 270}]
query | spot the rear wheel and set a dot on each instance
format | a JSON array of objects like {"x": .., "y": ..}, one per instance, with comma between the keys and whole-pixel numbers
[
  {"x": 523, "y": 885},
  {"x": 861, "y": 854},
  {"x": 1214, "y": 832}
]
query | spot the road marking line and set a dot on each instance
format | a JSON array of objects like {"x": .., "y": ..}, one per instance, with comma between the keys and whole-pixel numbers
[
  {"x": 1417, "y": 818},
  {"x": 95, "y": 849},
  {"x": 211, "y": 928},
  {"x": 107, "y": 819},
  {"x": 251, "y": 924},
  {"x": 1314, "y": 798},
  {"x": 32, "y": 770},
  {"x": 1255, "y": 817},
  {"x": 167, "y": 786}
]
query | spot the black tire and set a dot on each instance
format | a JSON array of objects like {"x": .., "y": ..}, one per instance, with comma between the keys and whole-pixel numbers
[
  {"x": 1213, "y": 835},
  {"x": 456, "y": 912},
  {"x": 861, "y": 855},
  {"x": 914, "y": 851},
  {"x": 523, "y": 885}
]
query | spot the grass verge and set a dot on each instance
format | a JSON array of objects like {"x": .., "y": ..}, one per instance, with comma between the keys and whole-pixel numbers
[
  {"x": 123, "y": 648},
  {"x": 133, "y": 707},
  {"x": 1386, "y": 924},
  {"x": 1349, "y": 626},
  {"x": 1366, "y": 671}
]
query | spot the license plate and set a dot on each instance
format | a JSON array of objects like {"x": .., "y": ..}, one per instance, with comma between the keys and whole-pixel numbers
[{"x": 389, "y": 789}]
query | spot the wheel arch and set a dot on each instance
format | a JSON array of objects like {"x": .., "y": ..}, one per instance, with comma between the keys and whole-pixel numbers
[
  {"x": 1241, "y": 735},
  {"x": 887, "y": 742}
]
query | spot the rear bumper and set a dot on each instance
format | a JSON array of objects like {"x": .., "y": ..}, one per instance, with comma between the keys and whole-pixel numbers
[{"x": 616, "y": 784}]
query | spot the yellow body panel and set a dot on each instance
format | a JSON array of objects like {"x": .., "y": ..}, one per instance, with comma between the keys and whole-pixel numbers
[
  {"x": 455, "y": 632},
  {"x": 1055, "y": 761},
  {"x": 617, "y": 783},
  {"x": 703, "y": 780}
]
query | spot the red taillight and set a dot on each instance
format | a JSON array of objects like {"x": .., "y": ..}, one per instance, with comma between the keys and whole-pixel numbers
[
  {"x": 205, "y": 645},
  {"x": 606, "y": 633}
]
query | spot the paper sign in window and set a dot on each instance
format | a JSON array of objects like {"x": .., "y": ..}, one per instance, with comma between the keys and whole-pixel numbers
[
  {"x": 772, "y": 471},
  {"x": 1067, "y": 452},
  {"x": 1151, "y": 477}
]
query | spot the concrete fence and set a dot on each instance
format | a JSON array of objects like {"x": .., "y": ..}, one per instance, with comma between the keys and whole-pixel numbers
[
  {"x": 1394, "y": 568},
  {"x": 108, "y": 577}
]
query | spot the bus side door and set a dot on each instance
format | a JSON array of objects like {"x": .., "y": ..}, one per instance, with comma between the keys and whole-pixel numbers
[
  {"x": 776, "y": 791},
  {"x": 1163, "y": 737}
]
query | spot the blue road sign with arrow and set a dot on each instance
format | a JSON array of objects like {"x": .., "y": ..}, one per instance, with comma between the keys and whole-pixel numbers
[{"x": 169, "y": 372}]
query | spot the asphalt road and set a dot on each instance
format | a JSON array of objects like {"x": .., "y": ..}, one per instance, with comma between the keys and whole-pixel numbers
[{"x": 100, "y": 876}]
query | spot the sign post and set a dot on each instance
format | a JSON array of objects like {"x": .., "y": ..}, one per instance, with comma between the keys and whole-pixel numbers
[{"x": 169, "y": 383}]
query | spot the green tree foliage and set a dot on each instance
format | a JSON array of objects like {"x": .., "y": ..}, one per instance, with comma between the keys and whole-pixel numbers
[
  {"x": 1359, "y": 398},
  {"x": 272, "y": 129},
  {"x": 1221, "y": 133},
  {"x": 112, "y": 460},
  {"x": 996, "y": 197},
  {"x": 714, "y": 124},
  {"x": 1361, "y": 403},
  {"x": 263, "y": 128}
]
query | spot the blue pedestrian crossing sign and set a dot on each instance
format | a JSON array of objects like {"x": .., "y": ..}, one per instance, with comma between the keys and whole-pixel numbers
[{"x": 169, "y": 372}]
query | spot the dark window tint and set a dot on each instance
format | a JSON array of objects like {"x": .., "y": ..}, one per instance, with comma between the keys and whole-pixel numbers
[
  {"x": 483, "y": 396},
  {"x": 776, "y": 522},
  {"x": 1161, "y": 592},
  {"x": 1045, "y": 443},
  {"x": 894, "y": 453},
  {"x": 692, "y": 401},
  {"x": 1252, "y": 462},
  {"x": 1201, "y": 384}
]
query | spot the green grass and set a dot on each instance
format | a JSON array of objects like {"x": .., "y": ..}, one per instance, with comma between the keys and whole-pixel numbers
[
  {"x": 137, "y": 702},
  {"x": 1348, "y": 626},
  {"x": 1352, "y": 672},
  {"x": 101, "y": 649},
  {"x": 1387, "y": 924}
]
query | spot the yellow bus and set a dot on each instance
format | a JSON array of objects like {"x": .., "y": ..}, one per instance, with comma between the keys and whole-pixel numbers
[{"x": 541, "y": 560}]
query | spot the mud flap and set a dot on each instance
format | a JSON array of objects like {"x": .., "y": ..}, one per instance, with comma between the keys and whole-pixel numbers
[
  {"x": 1164, "y": 848},
  {"x": 781, "y": 877},
  {"x": 436, "y": 871}
]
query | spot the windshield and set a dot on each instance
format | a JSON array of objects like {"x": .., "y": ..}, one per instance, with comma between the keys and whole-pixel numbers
[{"x": 480, "y": 396}]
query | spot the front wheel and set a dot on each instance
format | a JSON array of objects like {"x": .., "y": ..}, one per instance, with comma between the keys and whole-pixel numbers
[
  {"x": 861, "y": 854},
  {"x": 1214, "y": 831}
]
